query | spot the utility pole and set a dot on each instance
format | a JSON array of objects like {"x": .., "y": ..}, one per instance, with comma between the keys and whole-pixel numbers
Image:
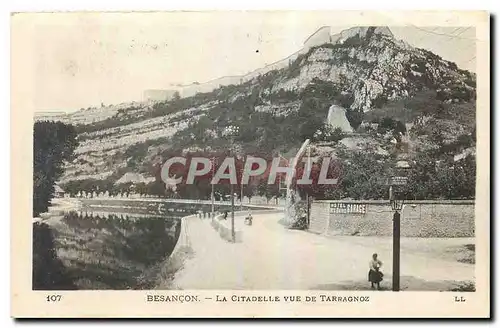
[
  {"x": 396, "y": 224},
  {"x": 308, "y": 219},
  {"x": 233, "y": 235},
  {"x": 241, "y": 189},
  {"x": 231, "y": 131},
  {"x": 212, "y": 194},
  {"x": 241, "y": 197},
  {"x": 308, "y": 171}
]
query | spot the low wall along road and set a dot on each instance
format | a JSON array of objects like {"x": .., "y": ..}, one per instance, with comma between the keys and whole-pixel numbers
[
  {"x": 160, "y": 206},
  {"x": 447, "y": 218},
  {"x": 223, "y": 227}
]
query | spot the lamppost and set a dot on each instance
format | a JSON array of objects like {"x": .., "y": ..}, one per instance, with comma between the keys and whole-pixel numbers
[
  {"x": 397, "y": 206},
  {"x": 212, "y": 196},
  {"x": 241, "y": 195},
  {"x": 231, "y": 131},
  {"x": 241, "y": 189}
]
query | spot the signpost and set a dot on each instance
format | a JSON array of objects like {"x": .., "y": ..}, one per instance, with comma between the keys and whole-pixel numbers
[
  {"x": 346, "y": 208},
  {"x": 398, "y": 181}
]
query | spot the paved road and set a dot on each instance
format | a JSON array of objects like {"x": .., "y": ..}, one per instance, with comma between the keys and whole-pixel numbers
[{"x": 272, "y": 257}]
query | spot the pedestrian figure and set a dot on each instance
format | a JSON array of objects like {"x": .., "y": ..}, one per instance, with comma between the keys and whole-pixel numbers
[
  {"x": 225, "y": 216},
  {"x": 249, "y": 219},
  {"x": 375, "y": 276}
]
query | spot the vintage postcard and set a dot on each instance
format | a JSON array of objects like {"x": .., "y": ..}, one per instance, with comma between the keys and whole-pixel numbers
[{"x": 250, "y": 164}]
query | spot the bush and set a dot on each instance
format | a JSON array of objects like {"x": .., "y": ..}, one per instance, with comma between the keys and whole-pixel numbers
[
  {"x": 467, "y": 286},
  {"x": 300, "y": 224},
  {"x": 327, "y": 133},
  {"x": 355, "y": 118},
  {"x": 388, "y": 124}
]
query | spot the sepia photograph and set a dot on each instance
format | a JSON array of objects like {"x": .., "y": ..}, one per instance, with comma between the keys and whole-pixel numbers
[{"x": 175, "y": 152}]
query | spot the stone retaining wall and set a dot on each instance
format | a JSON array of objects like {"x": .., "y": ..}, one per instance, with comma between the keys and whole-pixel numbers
[{"x": 447, "y": 218}]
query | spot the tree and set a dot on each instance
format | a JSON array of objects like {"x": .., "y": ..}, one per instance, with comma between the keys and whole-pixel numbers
[
  {"x": 48, "y": 272},
  {"x": 430, "y": 178},
  {"x": 316, "y": 188},
  {"x": 156, "y": 188},
  {"x": 141, "y": 188},
  {"x": 53, "y": 143},
  {"x": 328, "y": 133},
  {"x": 249, "y": 190},
  {"x": 308, "y": 120},
  {"x": 268, "y": 190},
  {"x": 355, "y": 117},
  {"x": 362, "y": 175},
  {"x": 389, "y": 124}
]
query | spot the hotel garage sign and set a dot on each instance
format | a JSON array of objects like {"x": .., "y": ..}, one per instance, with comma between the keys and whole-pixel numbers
[{"x": 347, "y": 208}]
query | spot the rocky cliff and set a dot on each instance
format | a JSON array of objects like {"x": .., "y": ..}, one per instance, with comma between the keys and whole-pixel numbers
[
  {"x": 364, "y": 70},
  {"x": 337, "y": 119}
]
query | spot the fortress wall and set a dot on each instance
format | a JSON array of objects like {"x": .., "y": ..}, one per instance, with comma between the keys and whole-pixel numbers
[{"x": 321, "y": 36}]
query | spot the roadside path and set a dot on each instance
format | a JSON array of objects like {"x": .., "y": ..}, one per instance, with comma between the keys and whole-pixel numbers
[{"x": 272, "y": 257}]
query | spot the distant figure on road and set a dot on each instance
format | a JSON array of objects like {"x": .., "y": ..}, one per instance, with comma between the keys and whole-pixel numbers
[
  {"x": 224, "y": 217},
  {"x": 249, "y": 219},
  {"x": 375, "y": 275}
]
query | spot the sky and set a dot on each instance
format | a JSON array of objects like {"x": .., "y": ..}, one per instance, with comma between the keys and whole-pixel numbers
[{"x": 82, "y": 60}]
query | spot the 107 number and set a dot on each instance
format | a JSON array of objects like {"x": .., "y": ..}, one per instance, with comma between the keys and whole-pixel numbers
[{"x": 54, "y": 298}]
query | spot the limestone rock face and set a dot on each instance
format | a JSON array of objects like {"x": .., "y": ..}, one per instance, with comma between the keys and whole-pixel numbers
[
  {"x": 291, "y": 209},
  {"x": 292, "y": 205},
  {"x": 367, "y": 66},
  {"x": 337, "y": 118},
  {"x": 370, "y": 64}
]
